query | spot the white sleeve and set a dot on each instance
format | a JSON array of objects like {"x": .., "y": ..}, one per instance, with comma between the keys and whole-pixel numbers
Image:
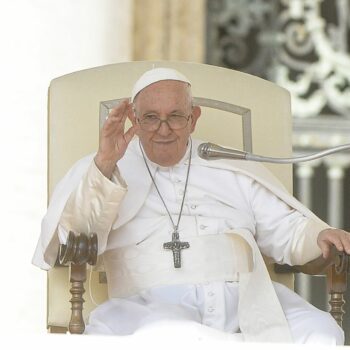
[
  {"x": 93, "y": 206},
  {"x": 282, "y": 232}
]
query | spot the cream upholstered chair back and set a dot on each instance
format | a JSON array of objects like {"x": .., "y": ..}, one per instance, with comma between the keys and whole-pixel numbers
[{"x": 258, "y": 119}]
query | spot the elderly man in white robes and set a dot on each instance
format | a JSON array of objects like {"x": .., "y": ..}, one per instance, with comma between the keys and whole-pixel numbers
[{"x": 180, "y": 237}]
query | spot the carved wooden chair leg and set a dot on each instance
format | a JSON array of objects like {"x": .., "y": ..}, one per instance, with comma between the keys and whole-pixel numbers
[
  {"x": 77, "y": 278},
  {"x": 336, "y": 285},
  {"x": 336, "y": 267},
  {"x": 79, "y": 251}
]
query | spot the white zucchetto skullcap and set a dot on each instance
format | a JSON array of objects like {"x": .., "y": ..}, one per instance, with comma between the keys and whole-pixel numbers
[{"x": 154, "y": 75}]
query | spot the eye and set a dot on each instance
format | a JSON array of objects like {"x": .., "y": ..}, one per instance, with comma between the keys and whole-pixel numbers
[
  {"x": 176, "y": 117},
  {"x": 149, "y": 118}
]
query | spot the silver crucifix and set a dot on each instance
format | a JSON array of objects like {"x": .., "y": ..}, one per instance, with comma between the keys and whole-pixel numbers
[{"x": 176, "y": 246}]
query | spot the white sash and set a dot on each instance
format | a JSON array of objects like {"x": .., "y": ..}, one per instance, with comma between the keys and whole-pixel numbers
[{"x": 231, "y": 256}]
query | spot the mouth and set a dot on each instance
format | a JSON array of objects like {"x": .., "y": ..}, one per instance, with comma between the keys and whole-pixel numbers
[{"x": 164, "y": 142}]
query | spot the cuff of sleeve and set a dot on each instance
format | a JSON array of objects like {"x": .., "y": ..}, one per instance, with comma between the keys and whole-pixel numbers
[
  {"x": 305, "y": 247},
  {"x": 93, "y": 206},
  {"x": 62, "y": 234},
  {"x": 95, "y": 173}
]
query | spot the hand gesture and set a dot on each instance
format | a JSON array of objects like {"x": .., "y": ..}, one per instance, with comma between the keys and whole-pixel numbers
[
  {"x": 337, "y": 237},
  {"x": 113, "y": 139}
]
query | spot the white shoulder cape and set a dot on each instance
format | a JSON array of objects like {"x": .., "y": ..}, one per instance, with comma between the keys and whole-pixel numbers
[{"x": 131, "y": 168}]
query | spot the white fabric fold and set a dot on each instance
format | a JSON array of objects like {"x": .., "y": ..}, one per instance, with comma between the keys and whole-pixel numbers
[{"x": 261, "y": 318}]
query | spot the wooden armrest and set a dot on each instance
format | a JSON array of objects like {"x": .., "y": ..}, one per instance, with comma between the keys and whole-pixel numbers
[
  {"x": 336, "y": 267},
  {"x": 78, "y": 251},
  {"x": 319, "y": 266}
]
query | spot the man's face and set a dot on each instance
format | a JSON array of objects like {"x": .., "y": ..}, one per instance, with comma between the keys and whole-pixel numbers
[{"x": 166, "y": 146}]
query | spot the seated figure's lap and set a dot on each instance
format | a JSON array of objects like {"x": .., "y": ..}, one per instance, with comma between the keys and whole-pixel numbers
[
  {"x": 126, "y": 316},
  {"x": 307, "y": 323}
]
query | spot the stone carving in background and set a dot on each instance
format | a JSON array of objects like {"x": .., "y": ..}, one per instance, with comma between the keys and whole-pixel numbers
[{"x": 300, "y": 44}]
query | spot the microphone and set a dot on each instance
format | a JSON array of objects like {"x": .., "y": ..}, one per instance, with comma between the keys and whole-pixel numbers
[{"x": 210, "y": 151}]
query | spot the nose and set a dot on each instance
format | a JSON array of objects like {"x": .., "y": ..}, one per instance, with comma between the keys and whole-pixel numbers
[{"x": 164, "y": 128}]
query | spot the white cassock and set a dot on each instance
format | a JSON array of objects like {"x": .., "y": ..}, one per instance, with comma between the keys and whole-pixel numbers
[{"x": 223, "y": 283}]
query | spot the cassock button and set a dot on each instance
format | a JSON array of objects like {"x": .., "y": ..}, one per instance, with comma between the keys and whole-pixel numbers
[
  {"x": 193, "y": 206},
  {"x": 211, "y": 309}
]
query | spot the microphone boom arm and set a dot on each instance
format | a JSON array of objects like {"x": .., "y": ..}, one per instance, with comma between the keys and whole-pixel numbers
[{"x": 212, "y": 151}]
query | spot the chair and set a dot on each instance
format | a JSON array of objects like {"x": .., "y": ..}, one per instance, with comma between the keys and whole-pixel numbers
[{"x": 248, "y": 107}]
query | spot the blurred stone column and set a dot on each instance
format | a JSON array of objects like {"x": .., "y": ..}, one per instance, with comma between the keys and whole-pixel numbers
[
  {"x": 169, "y": 30},
  {"x": 305, "y": 174},
  {"x": 336, "y": 166}
]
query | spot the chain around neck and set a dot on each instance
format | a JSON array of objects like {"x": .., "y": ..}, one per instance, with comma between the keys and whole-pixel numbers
[{"x": 161, "y": 197}]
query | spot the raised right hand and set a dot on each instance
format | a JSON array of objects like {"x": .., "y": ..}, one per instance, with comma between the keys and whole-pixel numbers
[{"x": 113, "y": 139}]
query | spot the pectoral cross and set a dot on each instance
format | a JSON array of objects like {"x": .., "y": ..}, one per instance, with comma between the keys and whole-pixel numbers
[{"x": 176, "y": 246}]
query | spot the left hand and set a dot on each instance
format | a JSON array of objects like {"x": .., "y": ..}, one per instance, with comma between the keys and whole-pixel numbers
[{"x": 337, "y": 237}]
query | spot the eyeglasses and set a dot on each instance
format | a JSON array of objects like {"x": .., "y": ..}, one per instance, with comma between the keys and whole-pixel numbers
[{"x": 151, "y": 122}]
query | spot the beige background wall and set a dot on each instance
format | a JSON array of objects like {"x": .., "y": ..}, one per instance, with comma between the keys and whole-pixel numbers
[{"x": 39, "y": 40}]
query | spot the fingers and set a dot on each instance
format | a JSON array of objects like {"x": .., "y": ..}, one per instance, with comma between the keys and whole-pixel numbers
[
  {"x": 345, "y": 240},
  {"x": 123, "y": 141},
  {"x": 116, "y": 119},
  {"x": 129, "y": 134},
  {"x": 325, "y": 248},
  {"x": 131, "y": 114},
  {"x": 339, "y": 238},
  {"x": 119, "y": 112}
]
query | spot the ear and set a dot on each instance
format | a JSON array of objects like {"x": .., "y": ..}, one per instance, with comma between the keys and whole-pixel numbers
[{"x": 196, "y": 113}]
